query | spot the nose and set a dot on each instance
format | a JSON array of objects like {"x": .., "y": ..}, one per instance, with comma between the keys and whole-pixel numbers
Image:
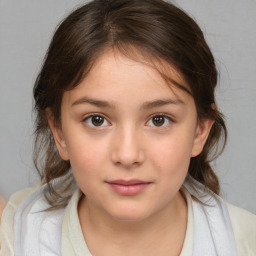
[{"x": 127, "y": 148}]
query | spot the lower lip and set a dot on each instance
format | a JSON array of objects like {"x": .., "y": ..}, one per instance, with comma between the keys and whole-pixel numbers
[{"x": 129, "y": 190}]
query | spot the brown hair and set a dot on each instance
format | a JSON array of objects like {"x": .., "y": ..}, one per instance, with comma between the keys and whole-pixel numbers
[{"x": 158, "y": 30}]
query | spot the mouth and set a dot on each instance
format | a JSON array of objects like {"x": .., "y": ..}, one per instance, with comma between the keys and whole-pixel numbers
[{"x": 128, "y": 187}]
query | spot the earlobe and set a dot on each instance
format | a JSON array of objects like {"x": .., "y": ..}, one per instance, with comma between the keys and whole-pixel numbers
[
  {"x": 58, "y": 136},
  {"x": 201, "y": 135}
]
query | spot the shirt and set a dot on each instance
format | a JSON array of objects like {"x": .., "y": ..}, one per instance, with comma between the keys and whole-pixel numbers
[{"x": 71, "y": 240}]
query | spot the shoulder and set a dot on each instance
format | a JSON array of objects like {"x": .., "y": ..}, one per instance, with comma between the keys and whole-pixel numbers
[
  {"x": 2, "y": 205},
  {"x": 17, "y": 198},
  {"x": 244, "y": 228},
  {"x": 7, "y": 219}
]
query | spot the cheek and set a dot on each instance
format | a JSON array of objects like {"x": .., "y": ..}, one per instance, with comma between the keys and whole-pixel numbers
[
  {"x": 173, "y": 152},
  {"x": 86, "y": 164},
  {"x": 86, "y": 156},
  {"x": 172, "y": 164},
  {"x": 171, "y": 160}
]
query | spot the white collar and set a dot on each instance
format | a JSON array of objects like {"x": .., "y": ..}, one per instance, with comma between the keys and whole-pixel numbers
[{"x": 39, "y": 232}]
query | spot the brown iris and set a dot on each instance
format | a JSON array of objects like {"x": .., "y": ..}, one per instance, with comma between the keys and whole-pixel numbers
[
  {"x": 158, "y": 120},
  {"x": 97, "y": 120}
]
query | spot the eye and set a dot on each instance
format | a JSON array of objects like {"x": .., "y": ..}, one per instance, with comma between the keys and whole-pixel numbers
[
  {"x": 96, "y": 121},
  {"x": 159, "y": 121}
]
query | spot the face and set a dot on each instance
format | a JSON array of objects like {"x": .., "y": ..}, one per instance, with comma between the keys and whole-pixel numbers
[{"x": 129, "y": 137}]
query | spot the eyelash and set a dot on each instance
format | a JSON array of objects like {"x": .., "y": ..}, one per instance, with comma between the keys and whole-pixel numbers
[
  {"x": 166, "y": 117},
  {"x": 95, "y": 115},
  {"x": 87, "y": 118}
]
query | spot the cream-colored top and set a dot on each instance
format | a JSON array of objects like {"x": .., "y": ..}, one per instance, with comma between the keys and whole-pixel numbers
[{"x": 73, "y": 243}]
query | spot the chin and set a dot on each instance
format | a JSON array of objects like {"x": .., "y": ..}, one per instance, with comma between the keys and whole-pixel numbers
[
  {"x": 129, "y": 215},
  {"x": 129, "y": 218}
]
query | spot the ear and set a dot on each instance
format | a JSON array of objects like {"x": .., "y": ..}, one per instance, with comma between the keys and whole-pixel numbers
[
  {"x": 58, "y": 136},
  {"x": 202, "y": 132}
]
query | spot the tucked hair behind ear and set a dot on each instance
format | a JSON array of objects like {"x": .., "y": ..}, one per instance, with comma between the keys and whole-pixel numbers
[{"x": 155, "y": 28}]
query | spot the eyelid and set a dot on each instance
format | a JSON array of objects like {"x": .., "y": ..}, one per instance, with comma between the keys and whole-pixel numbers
[
  {"x": 162, "y": 114},
  {"x": 167, "y": 116},
  {"x": 93, "y": 114},
  {"x": 170, "y": 119},
  {"x": 86, "y": 117}
]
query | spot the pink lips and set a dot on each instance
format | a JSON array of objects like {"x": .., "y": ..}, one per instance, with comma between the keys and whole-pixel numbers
[{"x": 128, "y": 187}]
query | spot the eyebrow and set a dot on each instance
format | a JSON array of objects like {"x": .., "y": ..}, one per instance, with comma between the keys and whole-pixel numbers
[
  {"x": 145, "y": 105},
  {"x": 97, "y": 103},
  {"x": 160, "y": 103}
]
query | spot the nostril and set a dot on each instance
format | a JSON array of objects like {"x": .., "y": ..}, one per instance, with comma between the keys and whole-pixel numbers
[
  {"x": 130, "y": 160},
  {"x": 127, "y": 164}
]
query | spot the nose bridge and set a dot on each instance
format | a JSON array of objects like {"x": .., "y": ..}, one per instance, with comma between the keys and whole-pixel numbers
[{"x": 127, "y": 147}]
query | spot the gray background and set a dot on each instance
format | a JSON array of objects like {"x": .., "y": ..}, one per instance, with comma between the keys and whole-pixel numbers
[{"x": 26, "y": 27}]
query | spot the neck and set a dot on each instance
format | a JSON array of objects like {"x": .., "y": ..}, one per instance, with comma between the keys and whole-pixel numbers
[{"x": 166, "y": 228}]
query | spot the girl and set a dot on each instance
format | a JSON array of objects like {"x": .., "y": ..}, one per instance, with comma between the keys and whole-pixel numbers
[{"x": 126, "y": 127}]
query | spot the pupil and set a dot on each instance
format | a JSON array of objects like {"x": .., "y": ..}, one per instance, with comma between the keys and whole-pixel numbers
[
  {"x": 97, "y": 120},
  {"x": 158, "y": 120}
]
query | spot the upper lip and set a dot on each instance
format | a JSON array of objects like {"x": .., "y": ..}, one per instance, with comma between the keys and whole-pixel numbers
[{"x": 128, "y": 182}]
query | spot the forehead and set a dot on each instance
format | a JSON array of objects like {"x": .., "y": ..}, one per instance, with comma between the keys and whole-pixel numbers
[
  {"x": 112, "y": 71},
  {"x": 135, "y": 54}
]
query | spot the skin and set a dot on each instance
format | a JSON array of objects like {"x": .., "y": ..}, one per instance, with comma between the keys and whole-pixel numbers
[{"x": 127, "y": 145}]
